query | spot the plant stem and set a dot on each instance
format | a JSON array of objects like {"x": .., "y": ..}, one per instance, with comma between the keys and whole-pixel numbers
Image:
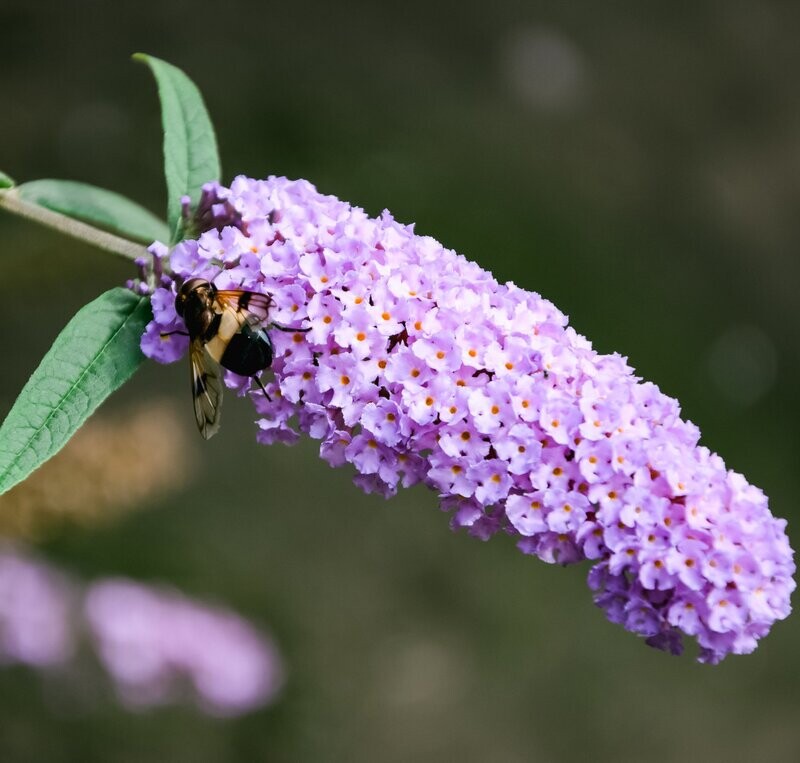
[{"x": 11, "y": 201}]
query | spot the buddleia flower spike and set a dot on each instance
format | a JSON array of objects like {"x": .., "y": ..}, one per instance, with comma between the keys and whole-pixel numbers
[{"x": 415, "y": 365}]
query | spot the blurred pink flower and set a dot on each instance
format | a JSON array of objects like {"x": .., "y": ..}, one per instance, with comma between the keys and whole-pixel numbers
[
  {"x": 153, "y": 640},
  {"x": 157, "y": 645}
]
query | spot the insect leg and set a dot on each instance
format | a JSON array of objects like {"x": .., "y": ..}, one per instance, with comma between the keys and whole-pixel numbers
[
  {"x": 289, "y": 330},
  {"x": 263, "y": 389},
  {"x": 170, "y": 333}
]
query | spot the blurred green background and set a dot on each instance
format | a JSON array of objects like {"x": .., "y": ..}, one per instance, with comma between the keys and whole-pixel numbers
[{"x": 637, "y": 163}]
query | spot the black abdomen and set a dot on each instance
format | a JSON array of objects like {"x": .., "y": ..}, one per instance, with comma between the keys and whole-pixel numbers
[{"x": 248, "y": 353}]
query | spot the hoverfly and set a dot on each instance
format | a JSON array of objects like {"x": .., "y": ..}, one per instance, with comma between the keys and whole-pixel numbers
[{"x": 226, "y": 328}]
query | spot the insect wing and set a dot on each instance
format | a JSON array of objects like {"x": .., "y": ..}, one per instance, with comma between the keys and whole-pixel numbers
[
  {"x": 207, "y": 389},
  {"x": 250, "y": 303}
]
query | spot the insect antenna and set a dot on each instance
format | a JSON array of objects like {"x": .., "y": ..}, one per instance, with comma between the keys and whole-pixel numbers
[{"x": 217, "y": 263}]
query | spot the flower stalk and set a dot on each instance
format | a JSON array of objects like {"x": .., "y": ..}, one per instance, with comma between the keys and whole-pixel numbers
[{"x": 12, "y": 202}]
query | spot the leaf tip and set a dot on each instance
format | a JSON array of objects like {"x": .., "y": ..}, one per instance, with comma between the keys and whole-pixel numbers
[{"x": 6, "y": 181}]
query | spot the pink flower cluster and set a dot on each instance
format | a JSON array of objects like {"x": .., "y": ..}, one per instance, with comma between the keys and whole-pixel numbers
[
  {"x": 418, "y": 366},
  {"x": 150, "y": 641},
  {"x": 36, "y": 604}
]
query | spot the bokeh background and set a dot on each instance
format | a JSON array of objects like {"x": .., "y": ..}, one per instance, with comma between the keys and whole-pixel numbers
[{"x": 637, "y": 163}]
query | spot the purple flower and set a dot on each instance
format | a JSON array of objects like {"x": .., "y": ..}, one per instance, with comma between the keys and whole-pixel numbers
[
  {"x": 151, "y": 642},
  {"x": 418, "y": 366},
  {"x": 162, "y": 343},
  {"x": 35, "y": 612}
]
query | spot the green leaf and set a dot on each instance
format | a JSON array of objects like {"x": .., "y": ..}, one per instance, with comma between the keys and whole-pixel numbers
[
  {"x": 190, "y": 147},
  {"x": 5, "y": 180},
  {"x": 105, "y": 209},
  {"x": 94, "y": 355}
]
